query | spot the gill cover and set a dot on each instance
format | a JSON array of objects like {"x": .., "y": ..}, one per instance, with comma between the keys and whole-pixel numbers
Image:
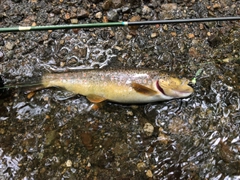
[{"x": 175, "y": 87}]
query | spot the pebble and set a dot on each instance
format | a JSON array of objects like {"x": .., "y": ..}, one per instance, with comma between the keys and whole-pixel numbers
[
  {"x": 107, "y": 4},
  {"x": 98, "y": 15},
  {"x": 9, "y": 45},
  {"x": 2, "y": 131},
  {"x": 83, "y": 52},
  {"x": 191, "y": 35},
  {"x": 153, "y": 35},
  {"x": 165, "y": 27},
  {"x": 74, "y": 21},
  {"x": 129, "y": 36},
  {"x": 62, "y": 64},
  {"x": 105, "y": 19},
  {"x": 133, "y": 19},
  {"x": 87, "y": 140},
  {"x": 149, "y": 173},
  {"x": 163, "y": 138},
  {"x": 10, "y": 54},
  {"x": 67, "y": 16},
  {"x": 30, "y": 95},
  {"x": 112, "y": 15},
  {"x": 193, "y": 52},
  {"x": 50, "y": 137},
  {"x": 129, "y": 113},
  {"x": 82, "y": 13},
  {"x": 1, "y": 41},
  {"x": 169, "y": 6},
  {"x": 148, "y": 129},
  {"x": 141, "y": 166},
  {"x": 117, "y": 3},
  {"x": 201, "y": 26},
  {"x": 216, "y": 6},
  {"x": 68, "y": 163},
  {"x": 146, "y": 9},
  {"x": 126, "y": 9},
  {"x": 174, "y": 34},
  {"x": 1, "y": 55}
]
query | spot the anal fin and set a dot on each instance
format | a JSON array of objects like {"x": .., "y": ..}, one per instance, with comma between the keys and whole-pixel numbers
[{"x": 95, "y": 98}]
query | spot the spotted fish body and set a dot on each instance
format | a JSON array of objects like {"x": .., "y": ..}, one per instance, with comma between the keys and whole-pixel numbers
[{"x": 122, "y": 86}]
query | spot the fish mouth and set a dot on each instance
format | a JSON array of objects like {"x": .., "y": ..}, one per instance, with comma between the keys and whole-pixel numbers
[{"x": 180, "y": 91}]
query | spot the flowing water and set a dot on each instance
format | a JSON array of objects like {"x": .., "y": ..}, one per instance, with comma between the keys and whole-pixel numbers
[{"x": 55, "y": 134}]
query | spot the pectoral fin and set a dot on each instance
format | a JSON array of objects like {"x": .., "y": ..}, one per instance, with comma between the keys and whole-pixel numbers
[
  {"x": 143, "y": 89},
  {"x": 95, "y": 98}
]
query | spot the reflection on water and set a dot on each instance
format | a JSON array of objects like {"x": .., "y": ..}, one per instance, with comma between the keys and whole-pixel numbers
[
  {"x": 9, "y": 165},
  {"x": 54, "y": 134}
]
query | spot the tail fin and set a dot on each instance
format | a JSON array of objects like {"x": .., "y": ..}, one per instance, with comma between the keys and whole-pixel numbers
[{"x": 27, "y": 86}]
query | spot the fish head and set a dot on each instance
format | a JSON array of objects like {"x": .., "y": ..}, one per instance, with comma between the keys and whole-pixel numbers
[{"x": 174, "y": 87}]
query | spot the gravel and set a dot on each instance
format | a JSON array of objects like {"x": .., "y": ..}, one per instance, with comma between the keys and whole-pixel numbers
[{"x": 53, "y": 134}]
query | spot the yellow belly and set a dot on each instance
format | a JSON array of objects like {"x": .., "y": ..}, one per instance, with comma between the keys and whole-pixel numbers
[{"x": 115, "y": 92}]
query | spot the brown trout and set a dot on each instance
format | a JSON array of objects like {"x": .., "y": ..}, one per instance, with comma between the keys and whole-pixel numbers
[{"x": 121, "y": 86}]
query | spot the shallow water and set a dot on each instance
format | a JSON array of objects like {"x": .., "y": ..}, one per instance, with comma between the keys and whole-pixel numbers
[{"x": 55, "y": 134}]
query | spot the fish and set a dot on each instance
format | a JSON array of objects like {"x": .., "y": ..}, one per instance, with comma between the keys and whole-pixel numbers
[{"x": 127, "y": 86}]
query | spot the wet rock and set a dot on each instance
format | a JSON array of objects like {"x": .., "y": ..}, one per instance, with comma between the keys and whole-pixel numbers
[
  {"x": 87, "y": 140},
  {"x": 191, "y": 35},
  {"x": 148, "y": 129},
  {"x": 105, "y": 19},
  {"x": 112, "y": 15},
  {"x": 10, "y": 54},
  {"x": 163, "y": 138},
  {"x": 1, "y": 41},
  {"x": 129, "y": 36},
  {"x": 117, "y": 3},
  {"x": 2, "y": 131},
  {"x": 217, "y": 6},
  {"x": 50, "y": 137},
  {"x": 107, "y": 4},
  {"x": 16, "y": 1},
  {"x": 67, "y": 16},
  {"x": 133, "y": 19},
  {"x": 169, "y": 6},
  {"x": 214, "y": 40},
  {"x": 103, "y": 159},
  {"x": 141, "y": 166},
  {"x": 83, "y": 52},
  {"x": 193, "y": 52},
  {"x": 74, "y": 21},
  {"x": 149, "y": 173},
  {"x": 126, "y": 9},
  {"x": 82, "y": 13},
  {"x": 146, "y": 10},
  {"x": 120, "y": 148},
  {"x": 153, "y": 35},
  {"x": 1, "y": 55},
  {"x": 10, "y": 45},
  {"x": 68, "y": 163}
]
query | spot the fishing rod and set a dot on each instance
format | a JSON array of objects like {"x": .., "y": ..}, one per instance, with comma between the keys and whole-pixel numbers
[{"x": 111, "y": 24}]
